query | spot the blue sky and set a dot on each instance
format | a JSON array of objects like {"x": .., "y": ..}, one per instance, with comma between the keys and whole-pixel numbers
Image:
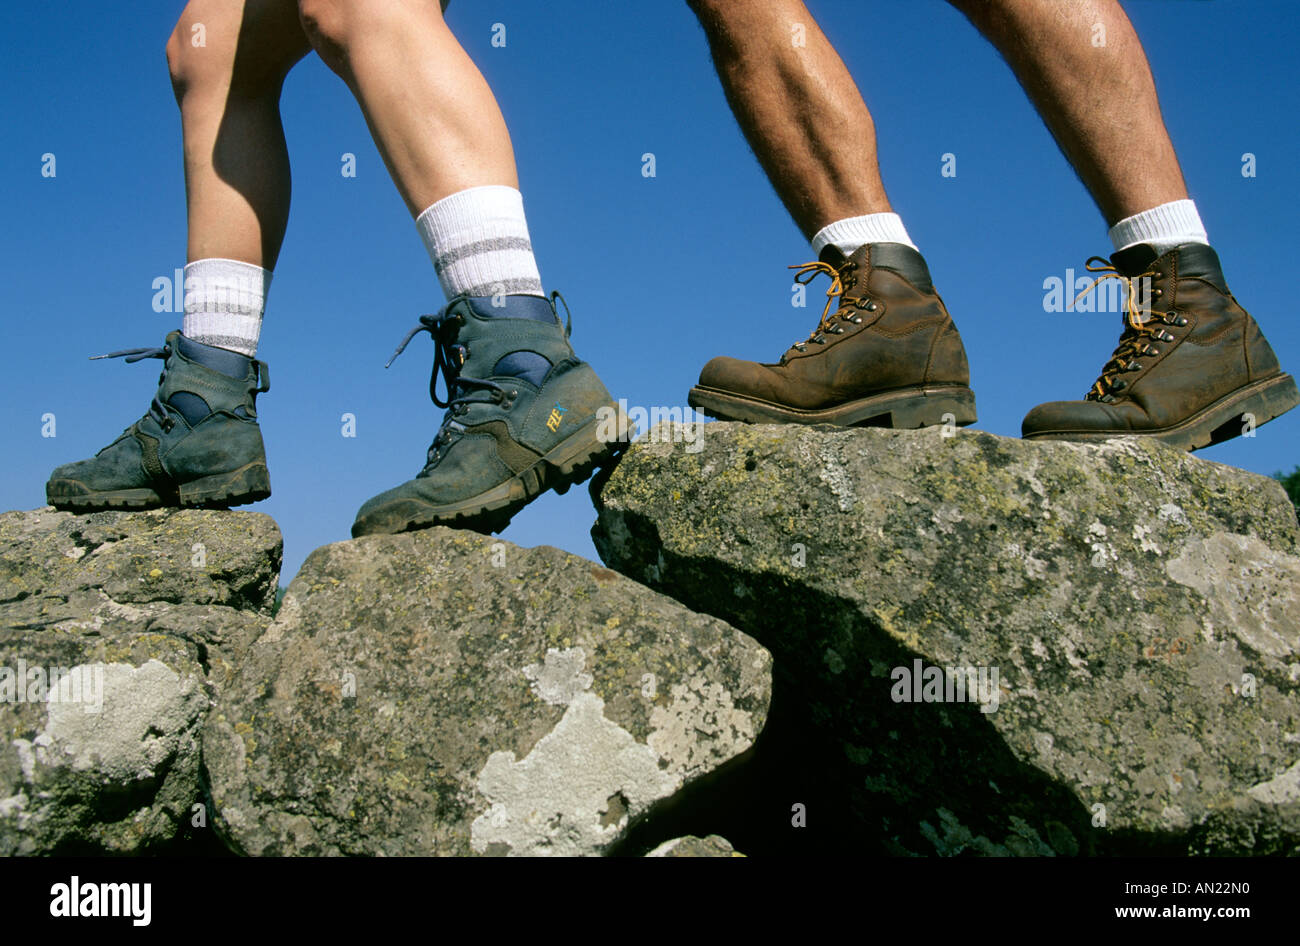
[{"x": 661, "y": 273}]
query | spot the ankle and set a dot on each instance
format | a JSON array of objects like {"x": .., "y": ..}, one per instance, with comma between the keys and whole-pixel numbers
[
  {"x": 1162, "y": 227},
  {"x": 478, "y": 241},
  {"x": 224, "y": 303},
  {"x": 853, "y": 232}
]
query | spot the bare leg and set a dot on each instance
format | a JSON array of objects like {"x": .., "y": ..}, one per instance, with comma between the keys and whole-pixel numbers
[
  {"x": 1099, "y": 101},
  {"x": 430, "y": 111},
  {"x": 798, "y": 107},
  {"x": 236, "y": 162},
  {"x": 199, "y": 444}
]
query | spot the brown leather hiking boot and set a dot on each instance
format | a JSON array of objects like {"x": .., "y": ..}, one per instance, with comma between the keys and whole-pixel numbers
[
  {"x": 1195, "y": 370},
  {"x": 889, "y": 355}
]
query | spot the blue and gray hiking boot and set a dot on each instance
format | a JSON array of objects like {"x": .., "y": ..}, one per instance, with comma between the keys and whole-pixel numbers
[
  {"x": 198, "y": 444},
  {"x": 524, "y": 415}
]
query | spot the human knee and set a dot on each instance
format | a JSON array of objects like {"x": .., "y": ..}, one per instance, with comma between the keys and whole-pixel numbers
[
  {"x": 985, "y": 12},
  {"x": 333, "y": 26},
  {"x": 217, "y": 45},
  {"x": 714, "y": 11},
  {"x": 191, "y": 61}
]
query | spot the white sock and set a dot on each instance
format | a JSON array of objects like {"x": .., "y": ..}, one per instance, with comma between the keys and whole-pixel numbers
[
  {"x": 852, "y": 232},
  {"x": 224, "y": 303},
  {"x": 478, "y": 241},
  {"x": 1164, "y": 227}
]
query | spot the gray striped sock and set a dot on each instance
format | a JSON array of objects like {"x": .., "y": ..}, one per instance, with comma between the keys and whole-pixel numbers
[
  {"x": 478, "y": 241},
  {"x": 224, "y": 302}
]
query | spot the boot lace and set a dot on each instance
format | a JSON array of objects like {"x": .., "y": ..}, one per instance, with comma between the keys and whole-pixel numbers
[
  {"x": 448, "y": 359},
  {"x": 1142, "y": 331},
  {"x": 845, "y": 310},
  {"x": 157, "y": 410}
]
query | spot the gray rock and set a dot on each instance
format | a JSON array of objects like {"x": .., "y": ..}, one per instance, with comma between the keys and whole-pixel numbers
[
  {"x": 441, "y": 692},
  {"x": 1130, "y": 616},
  {"x": 691, "y": 846},
  {"x": 114, "y": 630}
]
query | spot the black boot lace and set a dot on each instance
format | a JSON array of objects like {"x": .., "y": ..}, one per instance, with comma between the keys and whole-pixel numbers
[
  {"x": 157, "y": 410},
  {"x": 448, "y": 358}
]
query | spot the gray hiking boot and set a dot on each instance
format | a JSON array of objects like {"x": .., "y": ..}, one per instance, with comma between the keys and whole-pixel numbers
[
  {"x": 524, "y": 415},
  {"x": 198, "y": 444}
]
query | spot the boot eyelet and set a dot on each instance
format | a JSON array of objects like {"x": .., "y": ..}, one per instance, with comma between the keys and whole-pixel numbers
[
  {"x": 1181, "y": 321},
  {"x": 871, "y": 307},
  {"x": 856, "y": 320}
]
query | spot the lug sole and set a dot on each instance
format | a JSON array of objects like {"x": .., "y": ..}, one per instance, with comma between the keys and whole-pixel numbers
[
  {"x": 571, "y": 462},
  {"x": 905, "y": 409},
  {"x": 249, "y": 484},
  {"x": 1221, "y": 421}
]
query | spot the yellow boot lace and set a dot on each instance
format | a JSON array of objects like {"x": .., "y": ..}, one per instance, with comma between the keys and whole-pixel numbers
[
  {"x": 1143, "y": 330},
  {"x": 828, "y": 324}
]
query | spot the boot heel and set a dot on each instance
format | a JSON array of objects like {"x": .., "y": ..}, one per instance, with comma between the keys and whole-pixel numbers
[
  {"x": 949, "y": 406},
  {"x": 249, "y": 484},
  {"x": 578, "y": 457},
  {"x": 1276, "y": 397}
]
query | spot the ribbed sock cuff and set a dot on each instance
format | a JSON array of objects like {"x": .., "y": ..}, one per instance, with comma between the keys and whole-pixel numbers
[
  {"x": 224, "y": 303},
  {"x": 852, "y": 232},
  {"x": 478, "y": 241},
  {"x": 1163, "y": 227}
]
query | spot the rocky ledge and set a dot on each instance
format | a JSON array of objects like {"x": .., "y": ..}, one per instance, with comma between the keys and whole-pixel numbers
[
  {"x": 806, "y": 640},
  {"x": 1013, "y": 647}
]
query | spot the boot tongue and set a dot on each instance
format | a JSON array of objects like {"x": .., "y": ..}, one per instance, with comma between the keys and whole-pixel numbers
[
  {"x": 832, "y": 255},
  {"x": 1134, "y": 260}
]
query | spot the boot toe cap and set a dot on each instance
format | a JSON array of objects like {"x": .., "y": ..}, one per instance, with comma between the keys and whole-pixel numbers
[
  {"x": 85, "y": 477},
  {"x": 1063, "y": 418},
  {"x": 727, "y": 374},
  {"x": 750, "y": 379}
]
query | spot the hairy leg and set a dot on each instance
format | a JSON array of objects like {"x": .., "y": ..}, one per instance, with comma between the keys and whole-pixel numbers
[
  {"x": 228, "y": 60},
  {"x": 431, "y": 113},
  {"x": 797, "y": 106},
  {"x": 1084, "y": 69}
]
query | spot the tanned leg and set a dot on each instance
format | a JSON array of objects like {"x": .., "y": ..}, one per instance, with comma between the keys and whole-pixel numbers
[
  {"x": 1099, "y": 101},
  {"x": 199, "y": 443},
  {"x": 431, "y": 113},
  {"x": 228, "y": 89},
  {"x": 798, "y": 107}
]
